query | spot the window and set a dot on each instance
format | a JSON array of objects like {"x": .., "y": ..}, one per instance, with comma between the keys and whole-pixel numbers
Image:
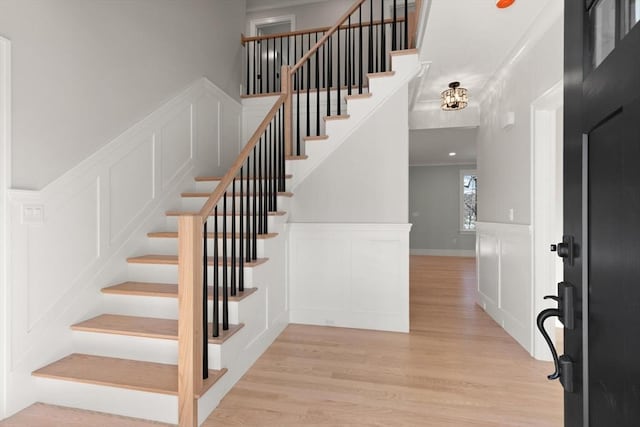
[{"x": 468, "y": 201}]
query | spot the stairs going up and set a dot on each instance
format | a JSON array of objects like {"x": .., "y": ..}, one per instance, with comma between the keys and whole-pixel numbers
[{"x": 124, "y": 359}]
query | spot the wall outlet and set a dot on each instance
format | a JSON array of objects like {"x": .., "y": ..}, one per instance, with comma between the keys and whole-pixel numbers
[{"x": 32, "y": 214}]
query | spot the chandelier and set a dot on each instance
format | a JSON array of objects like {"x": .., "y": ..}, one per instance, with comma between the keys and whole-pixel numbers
[{"x": 454, "y": 98}]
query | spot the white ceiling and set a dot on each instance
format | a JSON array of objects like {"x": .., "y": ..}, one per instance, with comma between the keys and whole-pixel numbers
[
  {"x": 432, "y": 146},
  {"x": 468, "y": 40}
]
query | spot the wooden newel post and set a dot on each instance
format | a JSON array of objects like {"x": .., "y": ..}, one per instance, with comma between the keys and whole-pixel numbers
[
  {"x": 190, "y": 229},
  {"x": 286, "y": 89}
]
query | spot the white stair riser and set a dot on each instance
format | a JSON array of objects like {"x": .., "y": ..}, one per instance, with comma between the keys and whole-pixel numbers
[
  {"x": 164, "y": 308},
  {"x": 112, "y": 400},
  {"x": 169, "y": 273},
  {"x": 210, "y": 186},
  {"x": 196, "y": 203},
  {"x": 274, "y": 223},
  {"x": 169, "y": 246}
]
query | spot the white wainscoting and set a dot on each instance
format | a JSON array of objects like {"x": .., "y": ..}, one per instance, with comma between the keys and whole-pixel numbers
[
  {"x": 72, "y": 238},
  {"x": 505, "y": 287},
  {"x": 350, "y": 275}
]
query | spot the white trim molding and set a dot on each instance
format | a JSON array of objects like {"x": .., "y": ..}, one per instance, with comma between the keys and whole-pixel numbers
[
  {"x": 283, "y": 4},
  {"x": 504, "y": 277},
  {"x": 255, "y": 23},
  {"x": 70, "y": 239},
  {"x": 350, "y": 275},
  {"x": 5, "y": 182}
]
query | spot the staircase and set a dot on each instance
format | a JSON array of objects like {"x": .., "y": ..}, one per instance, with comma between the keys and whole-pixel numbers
[{"x": 145, "y": 356}]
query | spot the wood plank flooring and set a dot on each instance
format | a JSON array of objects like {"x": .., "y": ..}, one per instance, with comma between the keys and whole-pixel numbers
[{"x": 456, "y": 368}]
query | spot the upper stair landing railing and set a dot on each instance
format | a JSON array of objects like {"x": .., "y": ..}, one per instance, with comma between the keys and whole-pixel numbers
[{"x": 362, "y": 39}]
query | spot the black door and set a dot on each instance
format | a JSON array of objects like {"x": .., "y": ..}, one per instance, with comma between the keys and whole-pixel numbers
[{"x": 601, "y": 365}]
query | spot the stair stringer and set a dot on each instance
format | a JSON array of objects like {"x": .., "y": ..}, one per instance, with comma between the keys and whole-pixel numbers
[{"x": 405, "y": 68}]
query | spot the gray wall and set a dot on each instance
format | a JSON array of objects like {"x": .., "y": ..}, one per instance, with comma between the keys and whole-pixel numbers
[
  {"x": 86, "y": 70},
  {"x": 434, "y": 208},
  {"x": 504, "y": 155},
  {"x": 307, "y": 16}
]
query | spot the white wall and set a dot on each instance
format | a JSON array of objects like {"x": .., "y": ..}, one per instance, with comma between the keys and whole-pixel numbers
[
  {"x": 505, "y": 158},
  {"x": 350, "y": 237},
  {"x": 366, "y": 180},
  {"x": 434, "y": 209},
  {"x": 87, "y": 70},
  {"x": 96, "y": 215}
]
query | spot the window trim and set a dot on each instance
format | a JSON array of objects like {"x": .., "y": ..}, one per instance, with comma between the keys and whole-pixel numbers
[{"x": 463, "y": 173}]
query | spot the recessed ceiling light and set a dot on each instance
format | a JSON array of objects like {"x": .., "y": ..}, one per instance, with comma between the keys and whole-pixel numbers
[
  {"x": 502, "y": 4},
  {"x": 452, "y": 154}
]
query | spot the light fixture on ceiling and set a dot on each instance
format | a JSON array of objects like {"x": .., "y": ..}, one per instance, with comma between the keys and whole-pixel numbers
[
  {"x": 454, "y": 98},
  {"x": 503, "y": 4},
  {"x": 452, "y": 154}
]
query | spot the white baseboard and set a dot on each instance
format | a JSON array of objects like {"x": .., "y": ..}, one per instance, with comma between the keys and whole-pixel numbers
[
  {"x": 444, "y": 252},
  {"x": 96, "y": 215}
]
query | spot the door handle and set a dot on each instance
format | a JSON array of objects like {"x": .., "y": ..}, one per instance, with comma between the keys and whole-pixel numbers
[
  {"x": 544, "y": 315},
  {"x": 565, "y": 313}
]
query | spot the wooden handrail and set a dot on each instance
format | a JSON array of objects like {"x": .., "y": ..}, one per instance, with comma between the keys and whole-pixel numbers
[
  {"x": 245, "y": 39},
  {"x": 221, "y": 188},
  {"x": 326, "y": 36}
]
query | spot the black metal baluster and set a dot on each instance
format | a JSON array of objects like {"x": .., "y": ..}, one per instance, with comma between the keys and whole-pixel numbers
[
  {"x": 329, "y": 73},
  {"x": 267, "y": 67},
  {"x": 247, "y": 237},
  {"x": 360, "y": 50},
  {"x": 260, "y": 207},
  {"x": 370, "y": 55},
  {"x": 241, "y": 233},
  {"x": 348, "y": 61},
  {"x": 263, "y": 184},
  {"x": 406, "y": 24},
  {"x": 317, "y": 89},
  {"x": 233, "y": 238},
  {"x": 216, "y": 282},
  {"x": 274, "y": 163},
  {"x": 353, "y": 56},
  {"x": 308, "y": 62},
  {"x": 281, "y": 59},
  {"x": 246, "y": 48},
  {"x": 383, "y": 41},
  {"x": 298, "y": 73},
  {"x": 254, "y": 211},
  {"x": 255, "y": 66},
  {"x": 260, "y": 73},
  {"x": 205, "y": 300},
  {"x": 267, "y": 166},
  {"x": 225, "y": 261},
  {"x": 394, "y": 37},
  {"x": 274, "y": 65},
  {"x": 339, "y": 103},
  {"x": 375, "y": 48}
]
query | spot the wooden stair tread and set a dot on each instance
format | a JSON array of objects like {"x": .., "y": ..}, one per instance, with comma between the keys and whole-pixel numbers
[
  {"x": 219, "y": 178},
  {"x": 164, "y": 290},
  {"x": 340, "y": 117},
  {"x": 298, "y": 157},
  {"x": 173, "y": 260},
  {"x": 381, "y": 74},
  {"x": 229, "y": 195},
  {"x": 123, "y": 373},
  {"x": 180, "y": 213},
  {"x": 358, "y": 96},
  {"x": 210, "y": 235},
  {"x": 147, "y": 327},
  {"x": 316, "y": 137}
]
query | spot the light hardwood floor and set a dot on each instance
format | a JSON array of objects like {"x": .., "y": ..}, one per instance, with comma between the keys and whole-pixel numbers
[{"x": 457, "y": 367}]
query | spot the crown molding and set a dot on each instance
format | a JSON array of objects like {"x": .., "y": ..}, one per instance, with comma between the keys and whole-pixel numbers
[{"x": 282, "y": 4}]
